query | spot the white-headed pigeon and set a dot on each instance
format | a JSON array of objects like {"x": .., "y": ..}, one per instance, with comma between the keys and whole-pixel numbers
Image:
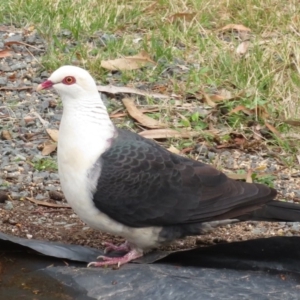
[{"x": 121, "y": 183}]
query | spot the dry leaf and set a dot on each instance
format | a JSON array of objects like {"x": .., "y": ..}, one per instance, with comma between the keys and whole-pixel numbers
[
  {"x": 9, "y": 88},
  {"x": 241, "y": 108},
  {"x": 298, "y": 158},
  {"x": 272, "y": 129},
  {"x": 187, "y": 150},
  {"x": 21, "y": 43},
  {"x": 237, "y": 27},
  {"x": 208, "y": 100},
  {"x": 118, "y": 115},
  {"x": 5, "y": 135},
  {"x": 45, "y": 203},
  {"x": 292, "y": 122},
  {"x": 168, "y": 133},
  {"x": 49, "y": 148},
  {"x": 224, "y": 94},
  {"x": 150, "y": 7},
  {"x": 139, "y": 116},
  {"x": 5, "y": 53},
  {"x": 218, "y": 98},
  {"x": 242, "y": 48},
  {"x": 239, "y": 140},
  {"x": 123, "y": 114},
  {"x": 111, "y": 89},
  {"x": 53, "y": 133},
  {"x": 184, "y": 16},
  {"x": 173, "y": 150},
  {"x": 128, "y": 63},
  {"x": 261, "y": 168}
]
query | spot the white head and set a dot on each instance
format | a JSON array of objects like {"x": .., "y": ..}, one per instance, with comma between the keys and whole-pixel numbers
[{"x": 71, "y": 82}]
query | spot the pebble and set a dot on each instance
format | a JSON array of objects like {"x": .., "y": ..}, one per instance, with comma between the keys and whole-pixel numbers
[
  {"x": 56, "y": 195},
  {"x": 211, "y": 155},
  {"x": 3, "y": 80},
  {"x": 8, "y": 205},
  {"x": 59, "y": 223},
  {"x": 15, "y": 195},
  {"x": 12, "y": 221},
  {"x": 3, "y": 196},
  {"x": 40, "y": 197},
  {"x": 18, "y": 66},
  {"x": 201, "y": 149},
  {"x": 70, "y": 225},
  {"x": 297, "y": 193}
]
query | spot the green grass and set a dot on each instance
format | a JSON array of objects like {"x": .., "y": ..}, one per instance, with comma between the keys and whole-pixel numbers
[
  {"x": 45, "y": 164},
  {"x": 268, "y": 75}
]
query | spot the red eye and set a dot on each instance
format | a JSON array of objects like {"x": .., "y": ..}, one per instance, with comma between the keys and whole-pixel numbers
[{"x": 69, "y": 80}]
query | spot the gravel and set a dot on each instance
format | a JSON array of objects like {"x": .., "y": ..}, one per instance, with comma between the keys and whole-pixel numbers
[{"x": 23, "y": 179}]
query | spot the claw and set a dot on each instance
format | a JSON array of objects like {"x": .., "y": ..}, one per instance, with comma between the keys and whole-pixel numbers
[{"x": 131, "y": 255}]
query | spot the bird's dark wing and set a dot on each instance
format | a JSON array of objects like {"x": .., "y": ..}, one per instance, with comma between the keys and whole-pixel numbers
[
  {"x": 275, "y": 211},
  {"x": 142, "y": 184}
]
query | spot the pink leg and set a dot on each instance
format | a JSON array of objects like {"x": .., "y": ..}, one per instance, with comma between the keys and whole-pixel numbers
[
  {"x": 131, "y": 255},
  {"x": 111, "y": 247}
]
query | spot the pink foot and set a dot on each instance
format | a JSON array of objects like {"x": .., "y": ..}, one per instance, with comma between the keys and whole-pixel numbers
[
  {"x": 131, "y": 255},
  {"x": 111, "y": 247}
]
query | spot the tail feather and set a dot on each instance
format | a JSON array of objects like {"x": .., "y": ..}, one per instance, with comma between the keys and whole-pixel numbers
[{"x": 275, "y": 211}]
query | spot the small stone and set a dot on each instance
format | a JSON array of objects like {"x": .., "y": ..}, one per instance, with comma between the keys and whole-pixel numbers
[
  {"x": 280, "y": 232},
  {"x": 18, "y": 66},
  {"x": 259, "y": 231},
  {"x": 29, "y": 236},
  {"x": 40, "y": 197},
  {"x": 52, "y": 103},
  {"x": 70, "y": 225},
  {"x": 66, "y": 33},
  {"x": 12, "y": 221},
  {"x": 56, "y": 195},
  {"x": 24, "y": 194},
  {"x": 14, "y": 38},
  {"x": 226, "y": 153},
  {"x": 8, "y": 205},
  {"x": 54, "y": 176},
  {"x": 3, "y": 80},
  {"x": 59, "y": 223},
  {"x": 38, "y": 179},
  {"x": 297, "y": 193},
  {"x": 3, "y": 197},
  {"x": 4, "y": 67},
  {"x": 201, "y": 149},
  {"x": 15, "y": 195},
  {"x": 20, "y": 157},
  {"x": 31, "y": 39},
  {"x": 211, "y": 155},
  {"x": 45, "y": 74},
  {"x": 50, "y": 188},
  {"x": 230, "y": 163}
]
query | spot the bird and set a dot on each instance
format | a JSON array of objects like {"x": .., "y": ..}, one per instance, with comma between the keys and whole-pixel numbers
[{"x": 124, "y": 184}]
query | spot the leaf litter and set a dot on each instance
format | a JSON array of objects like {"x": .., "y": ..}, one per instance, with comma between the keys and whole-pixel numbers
[{"x": 134, "y": 62}]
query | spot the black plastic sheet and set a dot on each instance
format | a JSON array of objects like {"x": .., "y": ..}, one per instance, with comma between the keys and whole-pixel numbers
[{"x": 257, "y": 269}]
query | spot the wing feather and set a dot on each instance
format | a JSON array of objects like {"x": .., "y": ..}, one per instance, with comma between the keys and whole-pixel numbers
[{"x": 142, "y": 184}]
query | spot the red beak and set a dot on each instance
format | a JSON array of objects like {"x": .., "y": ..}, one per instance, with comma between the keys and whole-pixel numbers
[{"x": 45, "y": 85}]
